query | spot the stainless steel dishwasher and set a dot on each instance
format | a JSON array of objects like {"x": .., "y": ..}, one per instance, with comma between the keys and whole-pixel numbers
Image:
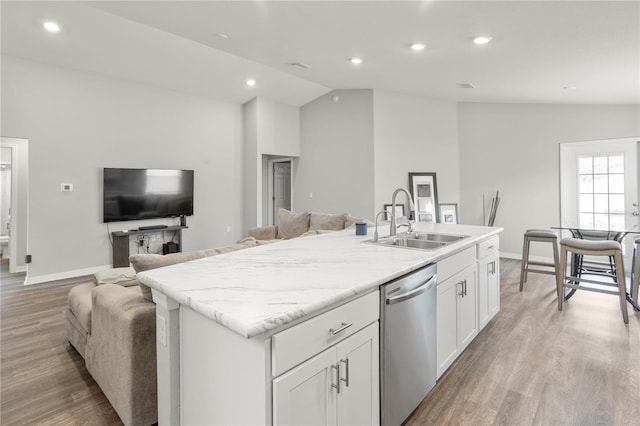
[{"x": 407, "y": 343}]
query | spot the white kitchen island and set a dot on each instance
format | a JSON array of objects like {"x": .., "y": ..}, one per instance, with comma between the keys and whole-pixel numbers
[{"x": 244, "y": 337}]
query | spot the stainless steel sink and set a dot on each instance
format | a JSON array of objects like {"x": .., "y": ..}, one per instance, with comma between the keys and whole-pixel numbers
[
  {"x": 413, "y": 243},
  {"x": 445, "y": 238},
  {"x": 419, "y": 240}
]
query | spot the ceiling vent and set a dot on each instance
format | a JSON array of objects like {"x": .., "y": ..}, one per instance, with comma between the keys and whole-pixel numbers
[
  {"x": 466, "y": 86},
  {"x": 300, "y": 65}
]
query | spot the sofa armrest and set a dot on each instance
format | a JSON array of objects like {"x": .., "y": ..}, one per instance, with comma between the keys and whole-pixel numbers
[
  {"x": 121, "y": 352},
  {"x": 264, "y": 232}
]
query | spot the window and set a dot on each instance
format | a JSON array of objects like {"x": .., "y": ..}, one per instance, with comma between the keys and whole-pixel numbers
[{"x": 601, "y": 191}]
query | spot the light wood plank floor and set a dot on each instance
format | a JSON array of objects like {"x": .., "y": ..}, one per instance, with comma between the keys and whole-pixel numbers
[{"x": 532, "y": 365}]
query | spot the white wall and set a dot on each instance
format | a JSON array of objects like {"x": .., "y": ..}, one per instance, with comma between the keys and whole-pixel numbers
[
  {"x": 251, "y": 189},
  {"x": 514, "y": 148},
  {"x": 271, "y": 129},
  {"x": 336, "y": 155},
  {"x": 415, "y": 134},
  {"x": 78, "y": 123}
]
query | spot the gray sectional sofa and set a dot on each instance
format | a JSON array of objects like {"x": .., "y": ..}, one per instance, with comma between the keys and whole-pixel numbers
[{"x": 111, "y": 322}]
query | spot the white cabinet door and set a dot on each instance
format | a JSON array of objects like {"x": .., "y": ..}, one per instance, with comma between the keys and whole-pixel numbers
[
  {"x": 308, "y": 394},
  {"x": 304, "y": 395},
  {"x": 447, "y": 324},
  {"x": 467, "y": 308},
  {"x": 457, "y": 316},
  {"x": 488, "y": 288},
  {"x": 358, "y": 356}
]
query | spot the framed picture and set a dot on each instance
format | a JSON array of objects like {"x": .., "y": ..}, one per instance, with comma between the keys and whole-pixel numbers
[
  {"x": 449, "y": 213},
  {"x": 399, "y": 211},
  {"x": 424, "y": 192}
]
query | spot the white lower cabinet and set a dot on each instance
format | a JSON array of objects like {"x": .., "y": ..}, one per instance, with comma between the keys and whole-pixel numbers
[
  {"x": 339, "y": 386},
  {"x": 488, "y": 288},
  {"x": 457, "y": 316}
]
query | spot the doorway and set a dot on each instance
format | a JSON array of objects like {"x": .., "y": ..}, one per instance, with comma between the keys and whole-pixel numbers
[
  {"x": 280, "y": 184},
  {"x": 14, "y": 202},
  {"x": 599, "y": 186}
]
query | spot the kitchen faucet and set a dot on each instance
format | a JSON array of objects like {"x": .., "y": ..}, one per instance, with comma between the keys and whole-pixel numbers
[
  {"x": 375, "y": 234},
  {"x": 392, "y": 230}
]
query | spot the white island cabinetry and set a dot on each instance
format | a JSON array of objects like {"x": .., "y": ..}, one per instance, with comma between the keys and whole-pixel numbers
[
  {"x": 457, "y": 318},
  {"x": 488, "y": 280},
  {"x": 339, "y": 383},
  {"x": 268, "y": 335},
  {"x": 337, "y": 387}
]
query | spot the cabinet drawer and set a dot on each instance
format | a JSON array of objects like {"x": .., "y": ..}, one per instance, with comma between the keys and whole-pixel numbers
[
  {"x": 301, "y": 342},
  {"x": 488, "y": 246},
  {"x": 453, "y": 264}
]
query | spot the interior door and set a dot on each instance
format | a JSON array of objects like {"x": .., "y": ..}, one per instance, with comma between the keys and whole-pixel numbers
[
  {"x": 6, "y": 155},
  {"x": 18, "y": 218},
  {"x": 281, "y": 187},
  {"x": 599, "y": 186}
]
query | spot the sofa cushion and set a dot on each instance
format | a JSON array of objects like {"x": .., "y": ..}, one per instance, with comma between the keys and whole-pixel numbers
[
  {"x": 350, "y": 221},
  {"x": 264, "y": 232},
  {"x": 79, "y": 301},
  {"x": 243, "y": 244},
  {"x": 146, "y": 262},
  {"x": 291, "y": 225},
  {"x": 326, "y": 222},
  {"x": 124, "y": 276}
]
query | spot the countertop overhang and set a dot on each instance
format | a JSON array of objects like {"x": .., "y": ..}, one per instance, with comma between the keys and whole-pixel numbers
[{"x": 262, "y": 289}]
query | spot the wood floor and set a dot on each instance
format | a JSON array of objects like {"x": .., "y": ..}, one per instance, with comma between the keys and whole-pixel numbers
[
  {"x": 532, "y": 365},
  {"x": 43, "y": 379}
]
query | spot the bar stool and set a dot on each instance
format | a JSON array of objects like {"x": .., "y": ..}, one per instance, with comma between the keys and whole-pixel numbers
[
  {"x": 634, "y": 286},
  {"x": 544, "y": 236},
  {"x": 581, "y": 247}
]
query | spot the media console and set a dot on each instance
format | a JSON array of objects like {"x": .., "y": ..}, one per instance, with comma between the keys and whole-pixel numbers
[{"x": 121, "y": 241}]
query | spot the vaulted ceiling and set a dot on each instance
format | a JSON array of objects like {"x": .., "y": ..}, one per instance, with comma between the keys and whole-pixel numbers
[{"x": 540, "y": 51}]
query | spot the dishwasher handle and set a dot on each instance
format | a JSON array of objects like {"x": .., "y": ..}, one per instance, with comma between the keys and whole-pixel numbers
[{"x": 413, "y": 293}]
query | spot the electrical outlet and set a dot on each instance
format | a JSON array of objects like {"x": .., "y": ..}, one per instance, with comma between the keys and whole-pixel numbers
[{"x": 155, "y": 237}]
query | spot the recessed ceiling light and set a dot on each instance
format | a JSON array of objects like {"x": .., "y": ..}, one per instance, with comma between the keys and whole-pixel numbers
[
  {"x": 466, "y": 86},
  {"x": 569, "y": 87},
  {"x": 251, "y": 82},
  {"x": 481, "y": 39},
  {"x": 356, "y": 61},
  {"x": 418, "y": 46},
  {"x": 51, "y": 26},
  {"x": 222, "y": 35}
]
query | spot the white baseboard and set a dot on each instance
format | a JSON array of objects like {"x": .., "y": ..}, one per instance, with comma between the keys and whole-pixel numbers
[
  {"x": 20, "y": 269},
  {"x": 518, "y": 256},
  {"x": 64, "y": 275}
]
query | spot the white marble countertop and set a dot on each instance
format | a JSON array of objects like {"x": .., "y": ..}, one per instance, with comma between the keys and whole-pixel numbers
[{"x": 256, "y": 290}]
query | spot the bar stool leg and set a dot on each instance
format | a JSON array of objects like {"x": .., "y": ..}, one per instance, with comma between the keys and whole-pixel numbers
[
  {"x": 525, "y": 261},
  {"x": 560, "y": 277},
  {"x": 622, "y": 288},
  {"x": 556, "y": 262}
]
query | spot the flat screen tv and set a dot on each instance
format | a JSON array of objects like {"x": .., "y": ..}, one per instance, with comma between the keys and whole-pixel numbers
[{"x": 135, "y": 194}]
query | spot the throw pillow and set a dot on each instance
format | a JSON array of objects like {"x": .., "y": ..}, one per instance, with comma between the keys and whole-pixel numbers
[
  {"x": 326, "y": 222},
  {"x": 291, "y": 225}
]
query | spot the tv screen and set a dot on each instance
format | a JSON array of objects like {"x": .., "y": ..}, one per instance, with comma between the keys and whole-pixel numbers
[{"x": 135, "y": 194}]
